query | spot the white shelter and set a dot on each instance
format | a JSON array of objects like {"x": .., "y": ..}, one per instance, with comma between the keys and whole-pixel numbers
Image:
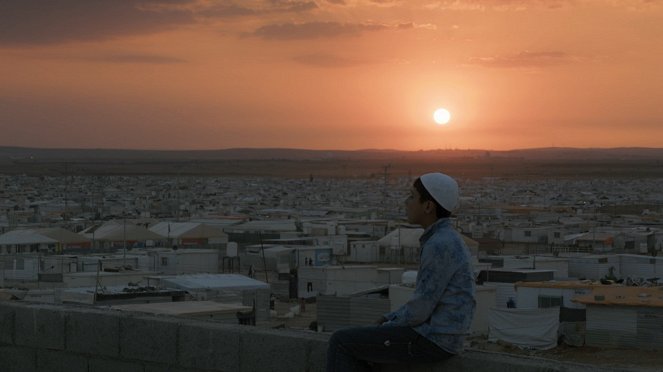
[
  {"x": 40, "y": 239},
  {"x": 115, "y": 233},
  {"x": 225, "y": 288},
  {"x": 191, "y": 233}
]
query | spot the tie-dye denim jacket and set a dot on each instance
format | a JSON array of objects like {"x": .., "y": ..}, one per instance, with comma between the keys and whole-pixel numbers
[{"x": 442, "y": 306}]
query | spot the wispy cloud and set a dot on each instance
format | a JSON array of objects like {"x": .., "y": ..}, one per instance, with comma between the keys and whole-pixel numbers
[
  {"x": 293, "y": 5},
  {"x": 319, "y": 30},
  {"x": 385, "y": 3},
  {"x": 496, "y": 4},
  {"x": 135, "y": 58},
  {"x": 524, "y": 60},
  {"x": 31, "y": 22},
  {"x": 314, "y": 30},
  {"x": 326, "y": 60},
  {"x": 48, "y": 22},
  {"x": 230, "y": 9},
  {"x": 412, "y": 25}
]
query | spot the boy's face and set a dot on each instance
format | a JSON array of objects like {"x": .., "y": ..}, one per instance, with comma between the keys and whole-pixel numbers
[{"x": 415, "y": 208}]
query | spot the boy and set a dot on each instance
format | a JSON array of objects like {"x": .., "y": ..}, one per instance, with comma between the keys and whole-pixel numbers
[{"x": 432, "y": 325}]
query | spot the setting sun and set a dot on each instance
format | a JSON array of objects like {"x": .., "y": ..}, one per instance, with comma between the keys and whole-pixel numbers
[{"x": 441, "y": 116}]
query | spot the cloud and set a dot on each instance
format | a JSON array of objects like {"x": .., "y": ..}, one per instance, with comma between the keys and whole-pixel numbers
[
  {"x": 496, "y": 4},
  {"x": 227, "y": 10},
  {"x": 136, "y": 58},
  {"x": 33, "y": 22},
  {"x": 24, "y": 22},
  {"x": 293, "y": 5},
  {"x": 338, "y": 2},
  {"x": 385, "y": 3},
  {"x": 412, "y": 25},
  {"x": 230, "y": 9},
  {"x": 524, "y": 60},
  {"x": 326, "y": 60},
  {"x": 639, "y": 5},
  {"x": 320, "y": 30}
]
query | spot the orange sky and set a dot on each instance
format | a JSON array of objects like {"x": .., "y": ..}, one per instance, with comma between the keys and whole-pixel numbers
[{"x": 331, "y": 74}]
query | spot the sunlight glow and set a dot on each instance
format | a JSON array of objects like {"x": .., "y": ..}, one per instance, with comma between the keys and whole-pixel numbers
[{"x": 441, "y": 116}]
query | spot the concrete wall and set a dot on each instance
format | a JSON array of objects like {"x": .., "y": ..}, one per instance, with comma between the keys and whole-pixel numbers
[
  {"x": 67, "y": 338},
  {"x": 72, "y": 339}
]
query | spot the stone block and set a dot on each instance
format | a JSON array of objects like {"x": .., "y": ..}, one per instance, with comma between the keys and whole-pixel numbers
[
  {"x": 271, "y": 350},
  {"x": 59, "y": 361},
  {"x": 40, "y": 326},
  {"x": 7, "y": 316},
  {"x": 149, "y": 338},
  {"x": 209, "y": 346},
  {"x": 17, "y": 359},
  {"x": 317, "y": 355},
  {"x": 158, "y": 367},
  {"x": 93, "y": 332},
  {"x": 109, "y": 365},
  {"x": 413, "y": 367}
]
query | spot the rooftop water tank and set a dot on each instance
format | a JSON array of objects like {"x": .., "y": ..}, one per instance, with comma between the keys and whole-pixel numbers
[{"x": 409, "y": 278}]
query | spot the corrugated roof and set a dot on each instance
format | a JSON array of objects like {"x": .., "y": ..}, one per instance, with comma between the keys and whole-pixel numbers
[
  {"x": 566, "y": 284},
  {"x": 41, "y": 236},
  {"x": 121, "y": 230},
  {"x": 623, "y": 296},
  {"x": 190, "y": 230},
  {"x": 24, "y": 237},
  {"x": 264, "y": 225},
  {"x": 213, "y": 281}
]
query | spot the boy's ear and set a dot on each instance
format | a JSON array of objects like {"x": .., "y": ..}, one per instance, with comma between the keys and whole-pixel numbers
[{"x": 429, "y": 207}]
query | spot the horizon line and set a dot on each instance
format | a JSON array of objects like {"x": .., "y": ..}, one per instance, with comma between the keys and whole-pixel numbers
[{"x": 335, "y": 150}]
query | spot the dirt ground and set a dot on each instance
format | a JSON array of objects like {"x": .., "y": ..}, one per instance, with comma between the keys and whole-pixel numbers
[{"x": 644, "y": 360}]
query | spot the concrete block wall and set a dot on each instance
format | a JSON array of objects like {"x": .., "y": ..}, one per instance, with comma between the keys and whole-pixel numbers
[{"x": 35, "y": 337}]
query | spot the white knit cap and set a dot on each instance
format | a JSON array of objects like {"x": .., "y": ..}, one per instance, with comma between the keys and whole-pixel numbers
[{"x": 442, "y": 188}]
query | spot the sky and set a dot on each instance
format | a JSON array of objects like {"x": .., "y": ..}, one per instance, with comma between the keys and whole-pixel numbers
[{"x": 331, "y": 74}]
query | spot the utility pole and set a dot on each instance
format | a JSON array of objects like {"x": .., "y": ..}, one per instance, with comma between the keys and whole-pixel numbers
[
  {"x": 178, "y": 197},
  {"x": 124, "y": 235},
  {"x": 385, "y": 186},
  {"x": 66, "y": 191}
]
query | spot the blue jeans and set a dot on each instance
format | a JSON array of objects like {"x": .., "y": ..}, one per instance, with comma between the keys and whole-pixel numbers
[{"x": 355, "y": 349}]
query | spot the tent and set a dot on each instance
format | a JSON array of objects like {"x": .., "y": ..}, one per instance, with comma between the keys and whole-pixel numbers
[
  {"x": 525, "y": 328},
  {"x": 188, "y": 230},
  {"x": 119, "y": 231},
  {"x": 25, "y": 237},
  {"x": 50, "y": 236},
  {"x": 41, "y": 236}
]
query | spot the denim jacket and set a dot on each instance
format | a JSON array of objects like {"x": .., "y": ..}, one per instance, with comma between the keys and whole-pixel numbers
[{"x": 442, "y": 306}]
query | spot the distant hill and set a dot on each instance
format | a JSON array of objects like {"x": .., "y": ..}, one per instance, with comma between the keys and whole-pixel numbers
[
  {"x": 22, "y": 154},
  {"x": 522, "y": 164},
  {"x": 562, "y": 153}
]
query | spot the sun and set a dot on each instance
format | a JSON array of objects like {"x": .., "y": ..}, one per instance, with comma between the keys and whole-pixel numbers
[{"x": 442, "y": 116}]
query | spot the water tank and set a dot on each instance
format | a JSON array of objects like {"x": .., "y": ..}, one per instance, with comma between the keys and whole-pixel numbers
[
  {"x": 394, "y": 243},
  {"x": 231, "y": 250},
  {"x": 409, "y": 277}
]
